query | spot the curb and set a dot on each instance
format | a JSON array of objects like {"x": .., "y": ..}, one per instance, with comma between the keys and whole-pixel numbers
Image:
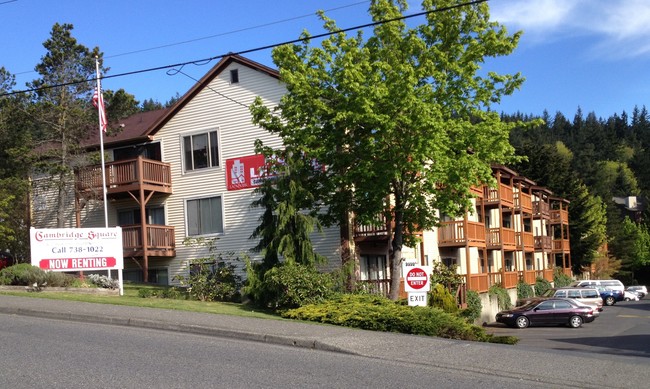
[{"x": 185, "y": 328}]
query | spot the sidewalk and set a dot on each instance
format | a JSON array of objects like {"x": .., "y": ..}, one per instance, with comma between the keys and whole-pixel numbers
[{"x": 554, "y": 368}]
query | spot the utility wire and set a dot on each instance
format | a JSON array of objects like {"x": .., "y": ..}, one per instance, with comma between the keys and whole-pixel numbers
[
  {"x": 231, "y": 32},
  {"x": 207, "y": 60}
]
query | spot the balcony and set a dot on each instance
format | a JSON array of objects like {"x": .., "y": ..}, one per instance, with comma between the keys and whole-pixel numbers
[
  {"x": 541, "y": 210},
  {"x": 561, "y": 245},
  {"x": 525, "y": 240},
  {"x": 543, "y": 243},
  {"x": 125, "y": 176},
  {"x": 160, "y": 241},
  {"x": 460, "y": 233},
  {"x": 559, "y": 216},
  {"x": 379, "y": 231},
  {"x": 497, "y": 238},
  {"x": 523, "y": 202},
  {"x": 502, "y": 195}
]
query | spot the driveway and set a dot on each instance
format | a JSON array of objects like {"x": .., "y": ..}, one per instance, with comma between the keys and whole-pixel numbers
[{"x": 621, "y": 329}]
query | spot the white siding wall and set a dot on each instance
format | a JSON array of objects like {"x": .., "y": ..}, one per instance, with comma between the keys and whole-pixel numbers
[{"x": 227, "y": 112}]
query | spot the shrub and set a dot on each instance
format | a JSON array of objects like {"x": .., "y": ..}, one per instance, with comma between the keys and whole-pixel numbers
[
  {"x": 103, "y": 281},
  {"x": 541, "y": 286},
  {"x": 288, "y": 285},
  {"x": 210, "y": 281},
  {"x": 440, "y": 297},
  {"x": 503, "y": 299},
  {"x": 58, "y": 279},
  {"x": 474, "y": 307},
  {"x": 560, "y": 279},
  {"x": 524, "y": 290},
  {"x": 22, "y": 274},
  {"x": 372, "y": 312}
]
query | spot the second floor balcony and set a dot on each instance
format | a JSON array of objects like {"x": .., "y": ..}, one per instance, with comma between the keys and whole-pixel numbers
[
  {"x": 461, "y": 233},
  {"x": 126, "y": 175}
]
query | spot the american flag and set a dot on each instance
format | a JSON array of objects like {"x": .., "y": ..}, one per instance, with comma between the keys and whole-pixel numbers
[{"x": 98, "y": 102}]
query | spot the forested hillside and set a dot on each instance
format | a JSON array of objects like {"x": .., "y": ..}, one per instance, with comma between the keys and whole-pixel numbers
[{"x": 590, "y": 161}]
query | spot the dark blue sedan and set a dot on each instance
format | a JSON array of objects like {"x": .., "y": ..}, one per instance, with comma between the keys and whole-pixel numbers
[{"x": 555, "y": 311}]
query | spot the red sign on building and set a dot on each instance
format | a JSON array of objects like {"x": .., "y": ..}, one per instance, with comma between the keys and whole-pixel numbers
[{"x": 245, "y": 172}]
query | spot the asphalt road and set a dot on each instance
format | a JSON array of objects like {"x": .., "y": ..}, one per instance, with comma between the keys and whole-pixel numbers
[
  {"x": 622, "y": 329},
  {"x": 45, "y": 353}
]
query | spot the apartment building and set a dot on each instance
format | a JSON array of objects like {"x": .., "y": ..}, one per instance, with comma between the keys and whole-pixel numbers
[{"x": 189, "y": 171}]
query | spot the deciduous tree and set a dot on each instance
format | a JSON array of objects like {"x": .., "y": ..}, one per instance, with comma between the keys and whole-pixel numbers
[{"x": 400, "y": 117}]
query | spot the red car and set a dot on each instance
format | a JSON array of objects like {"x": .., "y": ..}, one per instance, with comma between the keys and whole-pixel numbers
[{"x": 554, "y": 311}]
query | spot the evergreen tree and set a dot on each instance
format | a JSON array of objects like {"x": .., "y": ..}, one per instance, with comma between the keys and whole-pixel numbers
[{"x": 63, "y": 109}]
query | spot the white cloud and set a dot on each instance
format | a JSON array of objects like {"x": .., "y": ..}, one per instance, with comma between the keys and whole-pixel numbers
[{"x": 616, "y": 27}]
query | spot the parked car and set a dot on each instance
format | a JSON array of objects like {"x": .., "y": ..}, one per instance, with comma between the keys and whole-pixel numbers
[
  {"x": 630, "y": 296},
  {"x": 548, "y": 312},
  {"x": 641, "y": 290},
  {"x": 611, "y": 284},
  {"x": 587, "y": 296},
  {"x": 610, "y": 296}
]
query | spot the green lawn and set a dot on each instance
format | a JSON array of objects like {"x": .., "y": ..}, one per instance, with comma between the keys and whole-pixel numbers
[{"x": 131, "y": 298}]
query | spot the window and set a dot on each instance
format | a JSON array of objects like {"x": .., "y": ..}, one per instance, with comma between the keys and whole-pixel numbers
[
  {"x": 234, "y": 76},
  {"x": 373, "y": 267},
  {"x": 154, "y": 215},
  {"x": 204, "y": 216},
  {"x": 200, "y": 151}
]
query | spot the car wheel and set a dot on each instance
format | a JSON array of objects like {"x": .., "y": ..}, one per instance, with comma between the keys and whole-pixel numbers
[
  {"x": 627, "y": 299},
  {"x": 522, "y": 322},
  {"x": 575, "y": 321},
  {"x": 610, "y": 300}
]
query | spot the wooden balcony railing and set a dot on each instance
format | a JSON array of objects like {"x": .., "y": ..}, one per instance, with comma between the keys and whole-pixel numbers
[
  {"x": 561, "y": 245},
  {"x": 523, "y": 202},
  {"x": 126, "y": 175},
  {"x": 478, "y": 282},
  {"x": 559, "y": 216},
  {"x": 460, "y": 232},
  {"x": 526, "y": 239},
  {"x": 541, "y": 209},
  {"x": 160, "y": 239},
  {"x": 498, "y": 237},
  {"x": 503, "y": 194},
  {"x": 371, "y": 230},
  {"x": 544, "y": 243},
  {"x": 529, "y": 276}
]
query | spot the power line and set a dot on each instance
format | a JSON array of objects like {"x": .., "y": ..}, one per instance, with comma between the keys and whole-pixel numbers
[
  {"x": 210, "y": 59},
  {"x": 233, "y": 31}
]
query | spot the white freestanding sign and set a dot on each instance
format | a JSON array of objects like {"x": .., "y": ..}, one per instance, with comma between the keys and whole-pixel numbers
[
  {"x": 416, "y": 282},
  {"x": 78, "y": 249}
]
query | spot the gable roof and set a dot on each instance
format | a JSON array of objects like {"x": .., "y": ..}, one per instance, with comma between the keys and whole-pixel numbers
[
  {"x": 205, "y": 80},
  {"x": 142, "y": 126}
]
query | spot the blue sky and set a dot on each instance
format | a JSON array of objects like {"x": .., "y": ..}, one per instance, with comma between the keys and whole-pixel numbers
[{"x": 592, "y": 54}]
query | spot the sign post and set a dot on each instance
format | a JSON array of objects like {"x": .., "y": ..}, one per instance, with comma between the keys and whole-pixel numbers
[
  {"x": 78, "y": 249},
  {"x": 416, "y": 282}
]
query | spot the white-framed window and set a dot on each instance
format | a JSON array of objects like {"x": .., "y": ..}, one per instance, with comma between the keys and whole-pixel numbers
[
  {"x": 200, "y": 150},
  {"x": 373, "y": 267},
  {"x": 204, "y": 216},
  {"x": 155, "y": 215}
]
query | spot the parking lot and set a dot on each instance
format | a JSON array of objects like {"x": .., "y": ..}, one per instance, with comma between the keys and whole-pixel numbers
[{"x": 621, "y": 329}]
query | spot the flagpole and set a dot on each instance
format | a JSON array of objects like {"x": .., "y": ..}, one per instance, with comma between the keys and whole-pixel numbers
[
  {"x": 101, "y": 142},
  {"x": 102, "y": 123}
]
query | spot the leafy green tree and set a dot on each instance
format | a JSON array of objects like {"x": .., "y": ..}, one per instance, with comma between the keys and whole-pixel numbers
[
  {"x": 63, "y": 110},
  {"x": 399, "y": 118},
  {"x": 632, "y": 245},
  {"x": 15, "y": 130}
]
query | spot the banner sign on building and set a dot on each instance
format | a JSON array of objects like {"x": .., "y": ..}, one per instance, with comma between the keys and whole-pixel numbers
[
  {"x": 245, "y": 172},
  {"x": 77, "y": 249}
]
